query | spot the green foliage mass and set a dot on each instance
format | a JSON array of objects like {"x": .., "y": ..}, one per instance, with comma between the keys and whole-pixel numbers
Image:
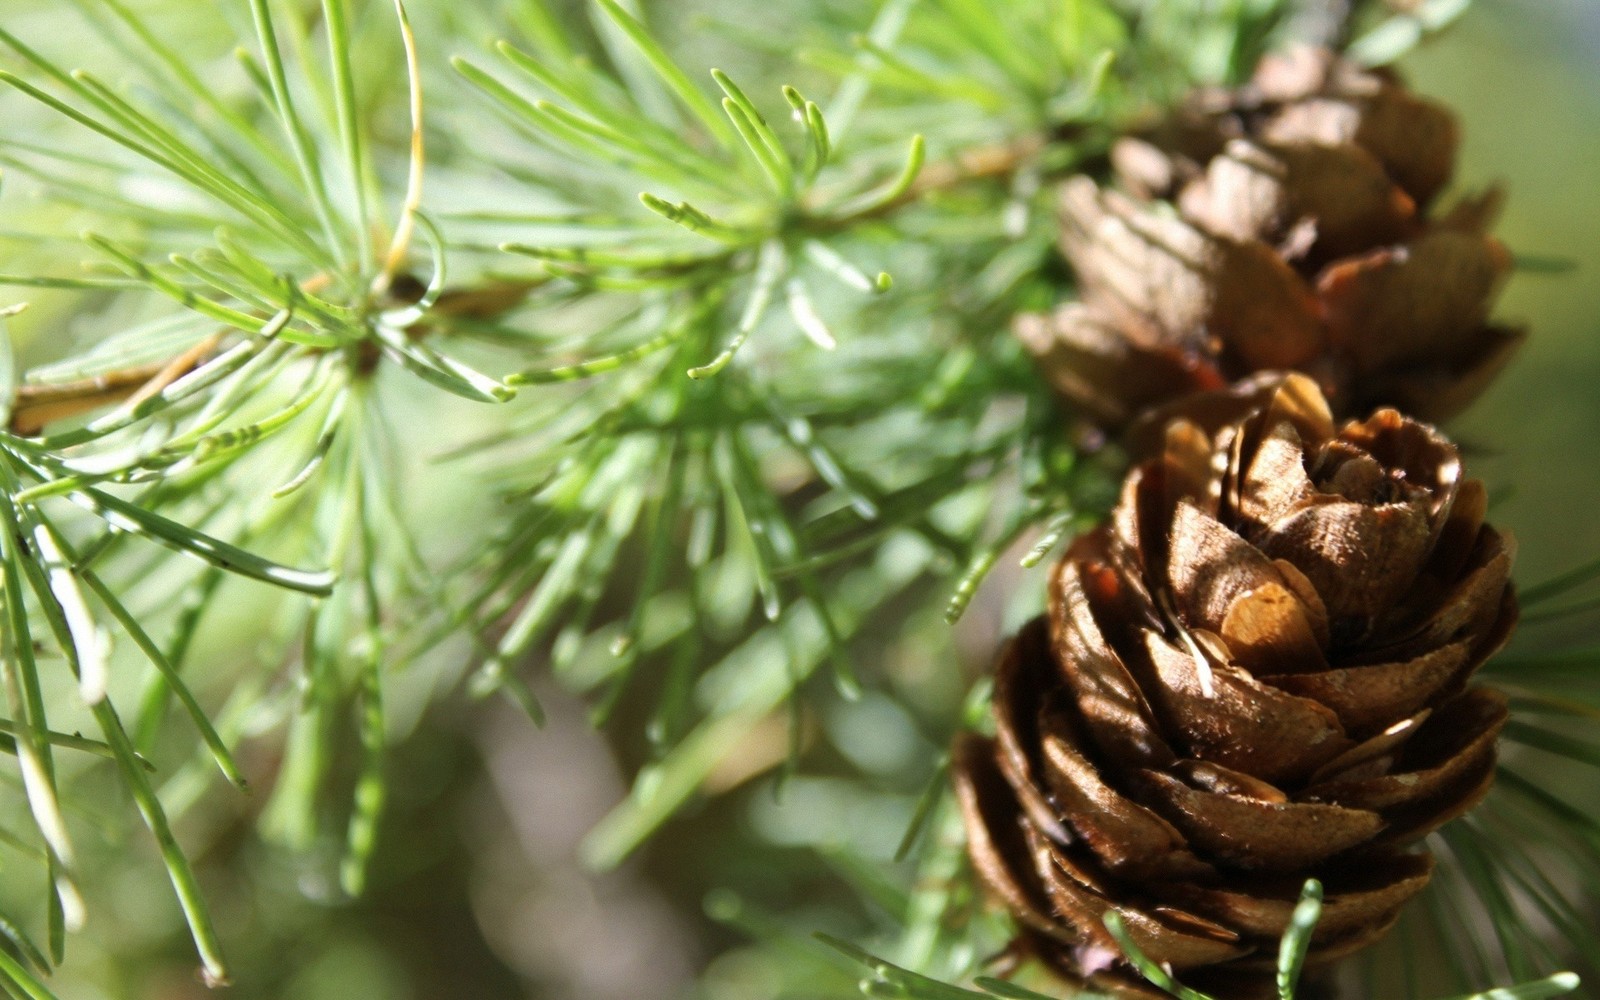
[{"x": 368, "y": 364}]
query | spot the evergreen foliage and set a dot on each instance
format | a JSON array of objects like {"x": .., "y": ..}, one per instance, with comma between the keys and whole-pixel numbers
[{"x": 714, "y": 369}]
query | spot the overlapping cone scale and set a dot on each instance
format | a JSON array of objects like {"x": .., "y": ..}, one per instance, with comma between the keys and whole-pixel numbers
[
  {"x": 1284, "y": 225},
  {"x": 1256, "y": 673}
]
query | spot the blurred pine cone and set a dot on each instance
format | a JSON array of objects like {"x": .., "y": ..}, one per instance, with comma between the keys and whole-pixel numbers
[
  {"x": 1254, "y": 675},
  {"x": 1283, "y": 225}
]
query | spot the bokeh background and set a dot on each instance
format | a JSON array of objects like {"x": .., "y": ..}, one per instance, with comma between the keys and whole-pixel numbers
[
  {"x": 479, "y": 890},
  {"x": 1525, "y": 77}
]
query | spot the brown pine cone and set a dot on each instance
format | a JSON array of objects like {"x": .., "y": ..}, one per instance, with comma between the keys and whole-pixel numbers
[
  {"x": 1254, "y": 675},
  {"x": 1281, "y": 226}
]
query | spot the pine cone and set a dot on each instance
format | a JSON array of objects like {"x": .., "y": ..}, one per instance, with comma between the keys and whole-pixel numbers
[
  {"x": 1281, "y": 226},
  {"x": 1254, "y": 675}
]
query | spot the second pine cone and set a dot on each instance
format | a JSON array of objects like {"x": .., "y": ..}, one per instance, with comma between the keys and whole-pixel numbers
[{"x": 1283, "y": 225}]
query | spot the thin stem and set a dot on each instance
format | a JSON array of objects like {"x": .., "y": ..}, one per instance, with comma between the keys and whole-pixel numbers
[
  {"x": 401, "y": 244},
  {"x": 983, "y": 163}
]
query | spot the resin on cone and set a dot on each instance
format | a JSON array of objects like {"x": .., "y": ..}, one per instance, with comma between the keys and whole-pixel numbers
[
  {"x": 1285, "y": 225},
  {"x": 1256, "y": 674}
]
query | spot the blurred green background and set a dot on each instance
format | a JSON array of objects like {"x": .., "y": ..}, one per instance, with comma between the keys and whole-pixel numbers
[
  {"x": 1525, "y": 77},
  {"x": 478, "y": 892}
]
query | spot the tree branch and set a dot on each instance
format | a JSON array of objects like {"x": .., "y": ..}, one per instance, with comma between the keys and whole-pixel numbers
[{"x": 38, "y": 406}]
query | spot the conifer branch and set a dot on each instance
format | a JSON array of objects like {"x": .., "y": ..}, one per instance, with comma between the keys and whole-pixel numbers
[{"x": 38, "y": 406}]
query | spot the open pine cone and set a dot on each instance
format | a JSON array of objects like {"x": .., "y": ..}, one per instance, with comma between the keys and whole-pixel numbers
[
  {"x": 1280, "y": 226},
  {"x": 1254, "y": 675}
]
